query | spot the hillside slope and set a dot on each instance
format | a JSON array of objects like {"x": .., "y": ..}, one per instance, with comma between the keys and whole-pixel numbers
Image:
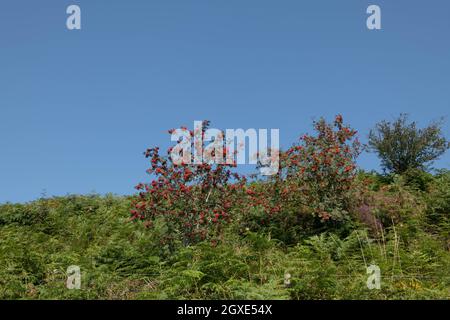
[{"x": 120, "y": 259}]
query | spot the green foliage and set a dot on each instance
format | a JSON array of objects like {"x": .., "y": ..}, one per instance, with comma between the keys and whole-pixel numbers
[
  {"x": 438, "y": 200},
  {"x": 323, "y": 168},
  {"x": 418, "y": 179},
  {"x": 402, "y": 146},
  {"x": 203, "y": 233},
  {"x": 313, "y": 191},
  {"x": 123, "y": 260}
]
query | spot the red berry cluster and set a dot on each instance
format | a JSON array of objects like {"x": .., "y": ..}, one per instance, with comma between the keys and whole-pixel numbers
[{"x": 196, "y": 201}]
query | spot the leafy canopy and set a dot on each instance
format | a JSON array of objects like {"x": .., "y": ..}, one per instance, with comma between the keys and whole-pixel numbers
[{"x": 401, "y": 145}]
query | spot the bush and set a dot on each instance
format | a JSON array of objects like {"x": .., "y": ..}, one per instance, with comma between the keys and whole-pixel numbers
[
  {"x": 402, "y": 146},
  {"x": 192, "y": 202},
  {"x": 313, "y": 190},
  {"x": 323, "y": 168}
]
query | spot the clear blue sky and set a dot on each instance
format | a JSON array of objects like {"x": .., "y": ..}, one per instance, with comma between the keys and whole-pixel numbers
[{"x": 78, "y": 108}]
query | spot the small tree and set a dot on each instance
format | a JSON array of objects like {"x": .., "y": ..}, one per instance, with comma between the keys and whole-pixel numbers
[
  {"x": 402, "y": 146},
  {"x": 192, "y": 201},
  {"x": 316, "y": 177}
]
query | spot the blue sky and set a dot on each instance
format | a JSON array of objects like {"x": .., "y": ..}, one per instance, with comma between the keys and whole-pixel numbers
[{"x": 78, "y": 108}]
